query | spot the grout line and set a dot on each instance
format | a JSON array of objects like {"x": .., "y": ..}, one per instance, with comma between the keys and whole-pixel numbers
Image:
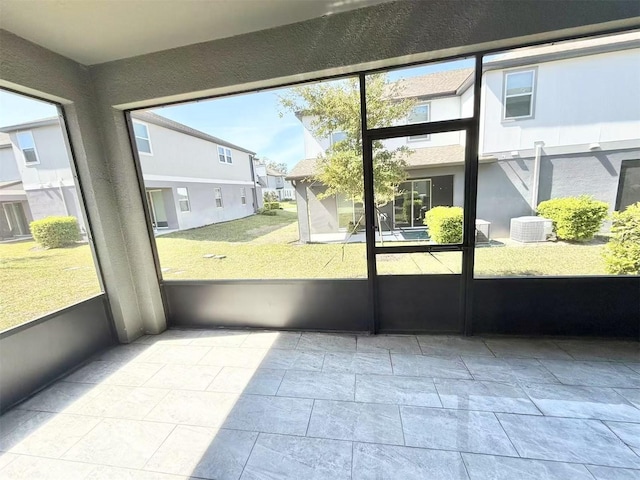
[
  {"x": 464, "y": 464},
  {"x": 404, "y": 441},
  {"x": 158, "y": 448},
  {"x": 250, "y": 453},
  {"x": 352, "y": 457},
  {"x": 313, "y": 405},
  {"x": 507, "y": 435}
]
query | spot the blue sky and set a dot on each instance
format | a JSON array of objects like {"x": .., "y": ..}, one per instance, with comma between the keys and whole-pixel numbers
[{"x": 252, "y": 121}]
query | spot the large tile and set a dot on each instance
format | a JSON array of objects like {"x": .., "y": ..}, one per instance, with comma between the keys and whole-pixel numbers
[
  {"x": 207, "y": 409},
  {"x": 424, "y": 366},
  {"x": 257, "y": 413},
  {"x": 609, "y": 473},
  {"x": 124, "y": 353},
  {"x": 170, "y": 337},
  {"x": 234, "y": 357},
  {"x": 174, "y": 354},
  {"x": 613, "y": 350},
  {"x": 287, "y": 457},
  {"x": 103, "y": 472},
  {"x": 582, "y": 402},
  {"x": 397, "y": 390},
  {"x": 635, "y": 366},
  {"x": 120, "y": 402},
  {"x": 282, "y": 340},
  {"x": 630, "y": 394},
  {"x": 47, "y": 434},
  {"x": 261, "y": 381},
  {"x": 31, "y": 468},
  {"x": 6, "y": 459},
  {"x": 129, "y": 374},
  {"x": 203, "y": 452},
  {"x": 466, "y": 431},
  {"x": 567, "y": 440},
  {"x": 482, "y": 467},
  {"x": 12, "y": 419},
  {"x": 293, "y": 360},
  {"x": 120, "y": 443},
  {"x": 452, "y": 345},
  {"x": 489, "y": 396},
  {"x": 327, "y": 342},
  {"x": 376, "y": 363},
  {"x": 629, "y": 433},
  {"x": 596, "y": 374},
  {"x": 364, "y": 422},
  {"x": 184, "y": 377},
  {"x": 508, "y": 370},
  {"x": 526, "y": 347},
  {"x": 388, "y": 343},
  {"x": 220, "y": 338},
  {"x": 318, "y": 385},
  {"x": 373, "y": 462},
  {"x": 59, "y": 397}
]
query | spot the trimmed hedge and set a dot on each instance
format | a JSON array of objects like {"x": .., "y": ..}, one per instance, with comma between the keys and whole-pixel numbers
[
  {"x": 622, "y": 253},
  {"x": 574, "y": 218},
  {"x": 444, "y": 224},
  {"x": 55, "y": 232},
  {"x": 272, "y": 205},
  {"x": 267, "y": 212}
]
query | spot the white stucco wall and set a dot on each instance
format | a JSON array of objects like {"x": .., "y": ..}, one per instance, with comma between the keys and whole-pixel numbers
[
  {"x": 8, "y": 165},
  {"x": 591, "y": 99}
]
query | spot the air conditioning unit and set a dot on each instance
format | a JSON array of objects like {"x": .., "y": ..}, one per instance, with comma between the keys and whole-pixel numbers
[{"x": 530, "y": 229}]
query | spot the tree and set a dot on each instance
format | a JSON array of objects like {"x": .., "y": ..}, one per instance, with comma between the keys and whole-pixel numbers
[
  {"x": 335, "y": 107},
  {"x": 278, "y": 167}
]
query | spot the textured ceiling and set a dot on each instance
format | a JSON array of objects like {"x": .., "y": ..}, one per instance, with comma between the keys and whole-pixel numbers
[{"x": 97, "y": 31}]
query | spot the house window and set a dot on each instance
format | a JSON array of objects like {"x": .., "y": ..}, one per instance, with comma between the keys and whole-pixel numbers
[
  {"x": 420, "y": 114},
  {"x": 243, "y": 196},
  {"x": 143, "y": 142},
  {"x": 183, "y": 199},
  {"x": 28, "y": 147},
  {"x": 338, "y": 137},
  {"x": 218, "y": 196},
  {"x": 629, "y": 186},
  {"x": 518, "y": 94},
  {"x": 225, "y": 155}
]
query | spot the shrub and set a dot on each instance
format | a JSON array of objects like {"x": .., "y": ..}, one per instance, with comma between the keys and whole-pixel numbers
[
  {"x": 622, "y": 253},
  {"x": 267, "y": 212},
  {"x": 272, "y": 205},
  {"x": 55, "y": 232},
  {"x": 574, "y": 218},
  {"x": 444, "y": 224},
  {"x": 270, "y": 197}
]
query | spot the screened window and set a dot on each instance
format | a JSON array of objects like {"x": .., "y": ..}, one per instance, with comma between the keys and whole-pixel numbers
[
  {"x": 420, "y": 114},
  {"x": 183, "y": 199},
  {"x": 243, "y": 196},
  {"x": 143, "y": 142},
  {"x": 629, "y": 186},
  {"x": 518, "y": 94},
  {"x": 218, "y": 196},
  {"x": 28, "y": 147},
  {"x": 225, "y": 155}
]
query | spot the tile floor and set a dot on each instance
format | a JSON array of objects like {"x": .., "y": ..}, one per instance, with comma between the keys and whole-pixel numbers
[{"x": 269, "y": 405}]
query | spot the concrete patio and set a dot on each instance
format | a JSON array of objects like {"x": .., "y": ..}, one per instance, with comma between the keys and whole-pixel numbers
[{"x": 263, "y": 405}]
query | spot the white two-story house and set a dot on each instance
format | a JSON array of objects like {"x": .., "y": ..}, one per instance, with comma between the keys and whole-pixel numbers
[
  {"x": 556, "y": 121},
  {"x": 191, "y": 178},
  {"x": 273, "y": 181}
]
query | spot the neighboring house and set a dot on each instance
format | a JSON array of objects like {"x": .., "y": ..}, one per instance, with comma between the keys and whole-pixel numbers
[
  {"x": 273, "y": 181},
  {"x": 556, "y": 121},
  {"x": 191, "y": 178}
]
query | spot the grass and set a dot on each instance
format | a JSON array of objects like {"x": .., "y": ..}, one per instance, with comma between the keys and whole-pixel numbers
[{"x": 34, "y": 281}]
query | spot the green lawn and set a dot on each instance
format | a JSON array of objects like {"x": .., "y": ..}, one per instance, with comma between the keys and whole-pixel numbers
[{"x": 34, "y": 281}]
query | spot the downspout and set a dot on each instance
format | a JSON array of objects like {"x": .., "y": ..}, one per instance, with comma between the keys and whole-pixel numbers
[
  {"x": 255, "y": 184},
  {"x": 64, "y": 202},
  {"x": 535, "y": 183}
]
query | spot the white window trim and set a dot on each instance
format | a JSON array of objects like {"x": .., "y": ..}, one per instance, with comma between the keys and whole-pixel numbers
[
  {"x": 218, "y": 191},
  {"x": 243, "y": 196},
  {"x": 425, "y": 137},
  {"x": 228, "y": 159},
  {"x": 533, "y": 94},
  {"x": 148, "y": 139},
  {"x": 35, "y": 148},
  {"x": 180, "y": 200}
]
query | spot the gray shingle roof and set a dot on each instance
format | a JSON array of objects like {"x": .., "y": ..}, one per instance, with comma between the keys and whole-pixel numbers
[
  {"x": 179, "y": 127},
  {"x": 420, "y": 158},
  {"x": 434, "y": 84}
]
